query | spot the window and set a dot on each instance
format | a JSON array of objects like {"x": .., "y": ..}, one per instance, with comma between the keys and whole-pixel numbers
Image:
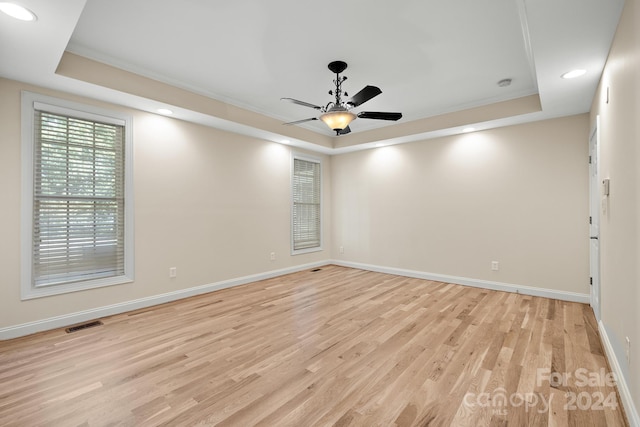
[
  {"x": 306, "y": 210},
  {"x": 76, "y": 207}
]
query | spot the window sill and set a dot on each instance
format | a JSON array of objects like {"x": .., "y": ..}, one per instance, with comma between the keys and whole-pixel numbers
[
  {"x": 46, "y": 291},
  {"x": 306, "y": 251}
]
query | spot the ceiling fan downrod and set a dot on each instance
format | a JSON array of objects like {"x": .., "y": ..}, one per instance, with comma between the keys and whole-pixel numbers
[{"x": 337, "y": 67}]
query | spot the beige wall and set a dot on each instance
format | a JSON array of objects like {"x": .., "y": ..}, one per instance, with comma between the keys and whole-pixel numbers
[
  {"x": 215, "y": 204},
  {"x": 620, "y": 223},
  {"x": 517, "y": 195},
  {"x": 211, "y": 203}
]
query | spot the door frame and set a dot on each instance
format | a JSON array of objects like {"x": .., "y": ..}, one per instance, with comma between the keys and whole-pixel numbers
[{"x": 595, "y": 200}]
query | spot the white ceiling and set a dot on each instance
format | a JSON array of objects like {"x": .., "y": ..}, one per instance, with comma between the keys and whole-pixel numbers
[{"x": 428, "y": 57}]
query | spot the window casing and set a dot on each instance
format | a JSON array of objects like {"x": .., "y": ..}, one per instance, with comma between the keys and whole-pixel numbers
[
  {"x": 77, "y": 222},
  {"x": 306, "y": 206}
]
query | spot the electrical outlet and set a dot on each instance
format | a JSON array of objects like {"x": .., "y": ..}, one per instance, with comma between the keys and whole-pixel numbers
[
  {"x": 628, "y": 350},
  {"x": 341, "y": 249},
  {"x": 272, "y": 257},
  {"x": 495, "y": 265},
  {"x": 173, "y": 272}
]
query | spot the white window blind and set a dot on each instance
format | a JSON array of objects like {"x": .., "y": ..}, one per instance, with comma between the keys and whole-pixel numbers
[
  {"x": 78, "y": 199},
  {"x": 306, "y": 210}
]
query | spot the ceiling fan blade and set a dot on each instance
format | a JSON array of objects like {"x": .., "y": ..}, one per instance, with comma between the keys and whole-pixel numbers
[
  {"x": 364, "y": 95},
  {"x": 345, "y": 131},
  {"x": 304, "y": 104},
  {"x": 300, "y": 121},
  {"x": 378, "y": 115}
]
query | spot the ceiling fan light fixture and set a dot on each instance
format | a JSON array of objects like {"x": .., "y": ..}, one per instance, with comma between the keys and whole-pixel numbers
[{"x": 337, "y": 118}]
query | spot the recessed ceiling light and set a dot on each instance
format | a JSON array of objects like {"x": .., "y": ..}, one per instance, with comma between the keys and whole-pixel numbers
[
  {"x": 18, "y": 12},
  {"x": 505, "y": 82},
  {"x": 469, "y": 129},
  {"x": 573, "y": 74},
  {"x": 165, "y": 111}
]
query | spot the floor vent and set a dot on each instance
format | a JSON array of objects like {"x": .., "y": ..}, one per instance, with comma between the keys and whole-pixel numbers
[
  {"x": 315, "y": 269},
  {"x": 84, "y": 326}
]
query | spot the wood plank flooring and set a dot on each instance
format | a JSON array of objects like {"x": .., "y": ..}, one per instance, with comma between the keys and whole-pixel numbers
[{"x": 335, "y": 347}]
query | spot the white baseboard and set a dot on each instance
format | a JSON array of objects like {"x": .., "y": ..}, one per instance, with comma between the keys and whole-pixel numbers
[
  {"x": 476, "y": 283},
  {"x": 83, "y": 316},
  {"x": 623, "y": 388}
]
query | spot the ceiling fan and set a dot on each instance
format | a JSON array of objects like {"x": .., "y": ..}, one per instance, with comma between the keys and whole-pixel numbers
[{"x": 337, "y": 115}]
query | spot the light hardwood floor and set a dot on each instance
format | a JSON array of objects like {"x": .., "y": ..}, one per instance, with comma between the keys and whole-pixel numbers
[{"x": 335, "y": 347}]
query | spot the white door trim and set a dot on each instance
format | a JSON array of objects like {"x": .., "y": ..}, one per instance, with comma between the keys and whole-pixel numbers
[{"x": 595, "y": 200}]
